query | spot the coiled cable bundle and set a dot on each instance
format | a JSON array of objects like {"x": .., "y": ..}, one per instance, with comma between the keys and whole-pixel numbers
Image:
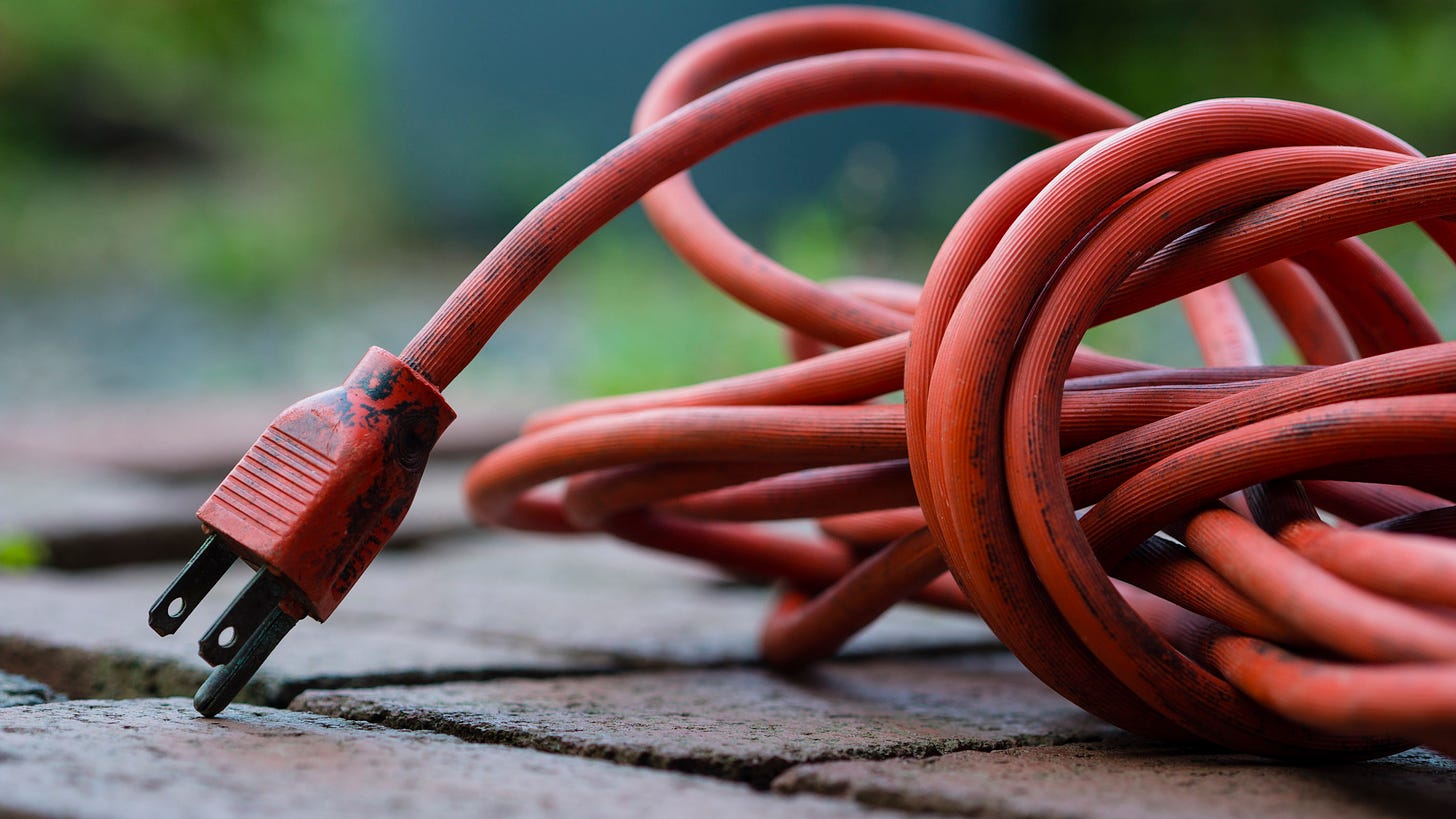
[{"x": 1257, "y": 556}]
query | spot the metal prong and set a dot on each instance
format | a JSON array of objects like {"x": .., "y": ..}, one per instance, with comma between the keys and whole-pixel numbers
[
  {"x": 227, "y": 680},
  {"x": 191, "y": 585},
  {"x": 243, "y": 616}
]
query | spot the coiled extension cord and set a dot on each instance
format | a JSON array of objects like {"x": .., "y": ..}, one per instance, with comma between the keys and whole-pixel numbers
[{"x": 1262, "y": 556}]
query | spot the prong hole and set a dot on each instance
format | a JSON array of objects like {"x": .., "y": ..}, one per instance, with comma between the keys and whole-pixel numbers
[
  {"x": 176, "y": 607},
  {"x": 226, "y": 636}
]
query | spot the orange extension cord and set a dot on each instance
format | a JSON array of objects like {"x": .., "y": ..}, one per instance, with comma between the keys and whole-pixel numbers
[{"x": 1262, "y": 558}]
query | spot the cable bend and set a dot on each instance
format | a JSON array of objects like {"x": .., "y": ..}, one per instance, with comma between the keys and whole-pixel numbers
[{"x": 1025, "y": 464}]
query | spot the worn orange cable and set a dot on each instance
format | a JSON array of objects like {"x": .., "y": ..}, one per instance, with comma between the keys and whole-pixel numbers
[{"x": 1174, "y": 550}]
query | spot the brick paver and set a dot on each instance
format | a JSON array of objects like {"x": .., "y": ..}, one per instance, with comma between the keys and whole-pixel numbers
[
  {"x": 482, "y": 607},
  {"x": 1128, "y": 779},
  {"x": 204, "y": 436},
  {"x": 106, "y": 517},
  {"x": 741, "y": 724},
  {"x": 86, "y": 635},
  {"x": 572, "y": 648},
  {"x": 151, "y": 758},
  {"x": 102, "y": 517}
]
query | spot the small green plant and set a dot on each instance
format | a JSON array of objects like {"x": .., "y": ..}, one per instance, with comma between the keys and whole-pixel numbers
[{"x": 21, "y": 551}]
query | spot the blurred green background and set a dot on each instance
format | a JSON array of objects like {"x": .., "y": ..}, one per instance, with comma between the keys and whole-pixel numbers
[{"x": 230, "y": 195}]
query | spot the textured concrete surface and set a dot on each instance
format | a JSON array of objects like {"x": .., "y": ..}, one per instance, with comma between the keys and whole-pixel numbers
[
  {"x": 483, "y": 607},
  {"x": 18, "y": 690},
  {"x": 151, "y": 758},
  {"x": 1127, "y": 778},
  {"x": 740, "y": 724}
]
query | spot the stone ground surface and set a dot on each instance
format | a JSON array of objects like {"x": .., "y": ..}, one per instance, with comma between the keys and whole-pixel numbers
[
  {"x": 149, "y": 758},
  {"x": 485, "y": 674},
  {"x": 743, "y": 724},
  {"x": 475, "y": 608},
  {"x": 1130, "y": 778}
]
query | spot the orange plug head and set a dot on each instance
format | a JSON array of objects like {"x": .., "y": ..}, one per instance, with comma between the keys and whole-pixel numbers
[
  {"x": 309, "y": 506},
  {"x": 331, "y": 478}
]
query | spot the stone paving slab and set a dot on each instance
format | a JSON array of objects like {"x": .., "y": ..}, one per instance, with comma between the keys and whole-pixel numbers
[
  {"x": 150, "y": 758},
  {"x": 1128, "y": 778},
  {"x": 89, "y": 516},
  {"x": 86, "y": 516},
  {"x": 202, "y": 436},
  {"x": 743, "y": 724},
  {"x": 596, "y": 594},
  {"x": 18, "y": 690},
  {"x": 477, "y": 608}
]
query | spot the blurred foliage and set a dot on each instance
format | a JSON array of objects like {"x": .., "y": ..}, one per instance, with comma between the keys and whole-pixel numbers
[
  {"x": 210, "y": 142},
  {"x": 1386, "y": 61},
  {"x": 223, "y": 149},
  {"x": 644, "y": 324}
]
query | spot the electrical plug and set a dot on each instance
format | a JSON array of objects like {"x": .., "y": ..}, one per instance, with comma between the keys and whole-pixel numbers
[{"x": 308, "y": 506}]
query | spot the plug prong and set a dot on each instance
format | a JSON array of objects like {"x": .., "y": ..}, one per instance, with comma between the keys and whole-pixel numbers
[
  {"x": 243, "y": 616},
  {"x": 191, "y": 585},
  {"x": 227, "y": 680}
]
